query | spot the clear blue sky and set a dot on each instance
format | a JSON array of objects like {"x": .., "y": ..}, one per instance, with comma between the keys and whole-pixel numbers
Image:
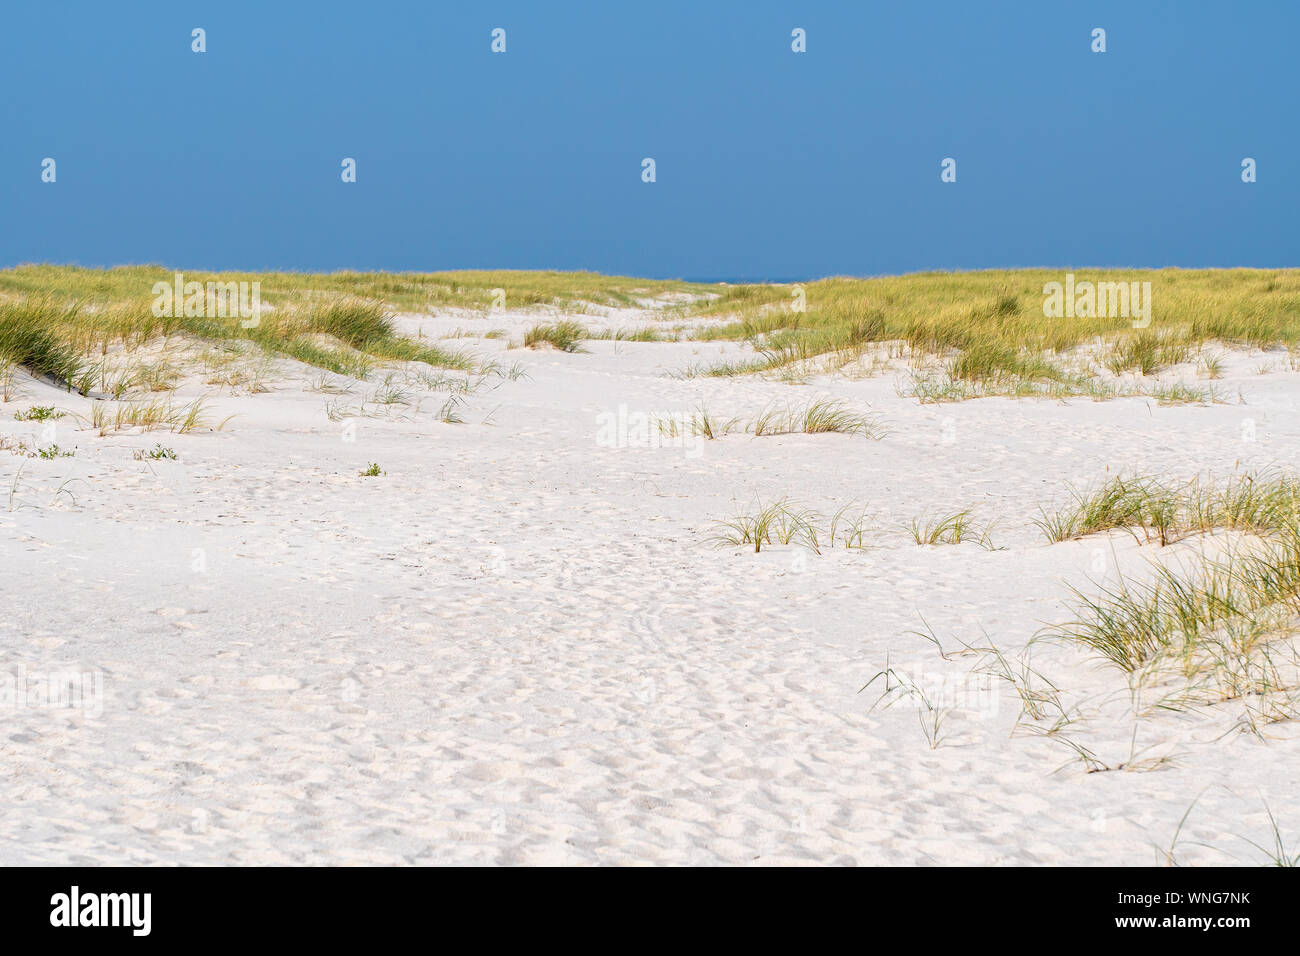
[{"x": 770, "y": 164}]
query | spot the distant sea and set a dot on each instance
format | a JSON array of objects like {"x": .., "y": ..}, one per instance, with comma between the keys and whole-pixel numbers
[{"x": 745, "y": 280}]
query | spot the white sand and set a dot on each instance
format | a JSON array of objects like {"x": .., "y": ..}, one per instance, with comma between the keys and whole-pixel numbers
[{"x": 518, "y": 646}]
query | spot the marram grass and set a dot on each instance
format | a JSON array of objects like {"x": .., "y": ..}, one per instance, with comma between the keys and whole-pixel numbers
[
  {"x": 981, "y": 332},
  {"x": 1226, "y": 623},
  {"x": 990, "y": 328},
  {"x": 1266, "y": 503}
]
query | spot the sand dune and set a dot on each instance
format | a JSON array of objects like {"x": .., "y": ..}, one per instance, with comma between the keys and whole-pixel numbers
[{"x": 518, "y": 645}]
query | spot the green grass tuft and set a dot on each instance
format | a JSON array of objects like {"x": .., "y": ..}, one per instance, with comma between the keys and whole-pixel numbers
[
  {"x": 27, "y": 338},
  {"x": 565, "y": 336}
]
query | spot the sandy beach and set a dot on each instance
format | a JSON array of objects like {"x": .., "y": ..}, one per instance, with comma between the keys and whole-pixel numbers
[{"x": 519, "y": 643}]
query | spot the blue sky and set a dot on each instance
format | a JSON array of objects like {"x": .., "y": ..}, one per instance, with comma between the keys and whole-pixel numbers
[{"x": 770, "y": 164}]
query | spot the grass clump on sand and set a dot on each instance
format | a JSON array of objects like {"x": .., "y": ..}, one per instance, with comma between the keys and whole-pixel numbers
[
  {"x": 996, "y": 362},
  {"x": 779, "y": 522},
  {"x": 1223, "y": 622},
  {"x": 700, "y": 422},
  {"x": 1258, "y": 503},
  {"x": 27, "y": 339},
  {"x": 956, "y": 528},
  {"x": 1125, "y": 503},
  {"x": 368, "y": 329},
  {"x": 566, "y": 336},
  {"x": 1218, "y": 619},
  {"x": 782, "y": 522},
  {"x": 819, "y": 417},
  {"x": 1147, "y": 352},
  {"x": 108, "y": 417},
  {"x": 343, "y": 337}
]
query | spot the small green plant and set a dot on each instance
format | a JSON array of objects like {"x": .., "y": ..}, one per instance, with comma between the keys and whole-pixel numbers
[
  {"x": 51, "y": 452},
  {"x": 700, "y": 423},
  {"x": 15, "y": 447},
  {"x": 1210, "y": 367},
  {"x": 390, "y": 393},
  {"x": 157, "y": 453},
  {"x": 818, "y": 417},
  {"x": 372, "y": 471},
  {"x": 898, "y": 687},
  {"x": 848, "y": 528},
  {"x": 784, "y": 523},
  {"x": 450, "y": 412},
  {"x": 955, "y": 528},
  {"x": 1180, "y": 393},
  {"x": 779, "y": 523},
  {"x": 704, "y": 424},
  {"x": 38, "y": 413}
]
